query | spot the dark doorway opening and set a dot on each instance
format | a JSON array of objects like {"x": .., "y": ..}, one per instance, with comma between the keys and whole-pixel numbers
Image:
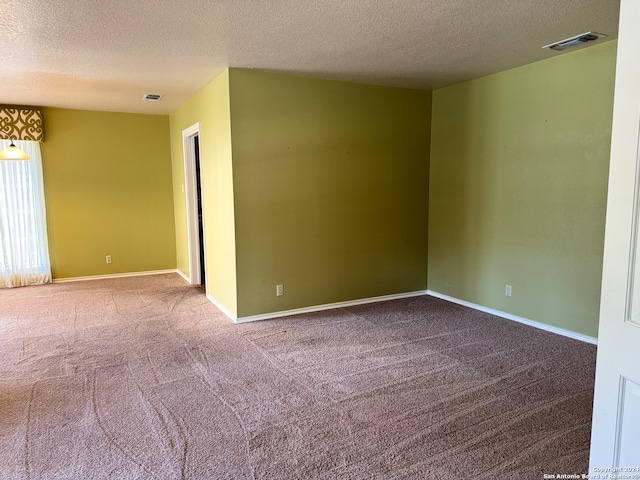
[{"x": 196, "y": 159}]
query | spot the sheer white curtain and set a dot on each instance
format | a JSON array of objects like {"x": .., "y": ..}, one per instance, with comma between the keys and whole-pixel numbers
[{"x": 24, "y": 250}]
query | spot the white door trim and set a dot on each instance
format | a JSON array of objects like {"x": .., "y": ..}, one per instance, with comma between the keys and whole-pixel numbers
[{"x": 191, "y": 200}]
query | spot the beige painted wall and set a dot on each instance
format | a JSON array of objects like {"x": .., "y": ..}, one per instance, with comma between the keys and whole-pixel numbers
[
  {"x": 107, "y": 180},
  {"x": 519, "y": 164}
]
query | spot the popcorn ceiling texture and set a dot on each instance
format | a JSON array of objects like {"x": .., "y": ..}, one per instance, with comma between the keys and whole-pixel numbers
[
  {"x": 143, "y": 378},
  {"x": 106, "y": 55}
]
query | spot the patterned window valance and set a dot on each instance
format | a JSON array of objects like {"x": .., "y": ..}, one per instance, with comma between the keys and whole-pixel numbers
[{"x": 21, "y": 123}]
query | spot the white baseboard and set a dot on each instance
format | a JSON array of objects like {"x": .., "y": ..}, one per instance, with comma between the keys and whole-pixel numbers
[
  {"x": 115, "y": 275},
  {"x": 184, "y": 276},
  {"x": 318, "y": 308},
  {"x": 350, "y": 303},
  {"x": 515, "y": 318},
  {"x": 222, "y": 308}
]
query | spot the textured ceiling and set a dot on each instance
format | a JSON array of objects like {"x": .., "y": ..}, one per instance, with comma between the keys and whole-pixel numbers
[{"x": 105, "y": 55}]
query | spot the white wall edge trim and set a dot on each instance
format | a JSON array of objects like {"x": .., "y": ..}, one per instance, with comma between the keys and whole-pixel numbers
[
  {"x": 222, "y": 308},
  {"x": 114, "y": 275},
  {"x": 184, "y": 276},
  {"x": 516, "y": 318},
  {"x": 327, "y": 306}
]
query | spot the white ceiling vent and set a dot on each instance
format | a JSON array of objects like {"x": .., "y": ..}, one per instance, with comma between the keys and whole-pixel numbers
[
  {"x": 152, "y": 97},
  {"x": 575, "y": 41}
]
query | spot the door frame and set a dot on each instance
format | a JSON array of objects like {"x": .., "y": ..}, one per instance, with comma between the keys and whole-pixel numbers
[{"x": 191, "y": 200}]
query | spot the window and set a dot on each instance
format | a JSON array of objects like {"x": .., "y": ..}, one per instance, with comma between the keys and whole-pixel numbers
[{"x": 24, "y": 254}]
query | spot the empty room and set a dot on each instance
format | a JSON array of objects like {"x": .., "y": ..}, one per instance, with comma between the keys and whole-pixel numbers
[{"x": 350, "y": 240}]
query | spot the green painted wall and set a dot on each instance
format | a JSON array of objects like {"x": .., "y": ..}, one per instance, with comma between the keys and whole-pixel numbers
[
  {"x": 519, "y": 164},
  {"x": 210, "y": 107},
  {"x": 107, "y": 180},
  {"x": 331, "y": 185}
]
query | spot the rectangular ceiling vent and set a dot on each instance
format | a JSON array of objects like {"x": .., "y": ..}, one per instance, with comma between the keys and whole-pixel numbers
[
  {"x": 574, "y": 41},
  {"x": 152, "y": 97}
]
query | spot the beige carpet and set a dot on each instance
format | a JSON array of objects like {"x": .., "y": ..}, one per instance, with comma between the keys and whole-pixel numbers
[{"x": 142, "y": 378}]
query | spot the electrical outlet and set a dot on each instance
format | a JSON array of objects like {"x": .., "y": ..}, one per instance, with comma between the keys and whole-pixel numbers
[
  {"x": 108, "y": 258},
  {"x": 279, "y": 290},
  {"x": 507, "y": 290}
]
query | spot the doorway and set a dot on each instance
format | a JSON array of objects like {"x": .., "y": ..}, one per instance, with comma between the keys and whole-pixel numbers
[
  {"x": 196, "y": 161},
  {"x": 195, "y": 210}
]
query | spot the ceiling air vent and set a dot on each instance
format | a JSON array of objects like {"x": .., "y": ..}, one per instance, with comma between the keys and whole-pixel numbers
[
  {"x": 152, "y": 97},
  {"x": 574, "y": 41}
]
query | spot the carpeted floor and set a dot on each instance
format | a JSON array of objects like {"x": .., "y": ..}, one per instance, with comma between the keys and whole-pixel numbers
[{"x": 142, "y": 378}]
